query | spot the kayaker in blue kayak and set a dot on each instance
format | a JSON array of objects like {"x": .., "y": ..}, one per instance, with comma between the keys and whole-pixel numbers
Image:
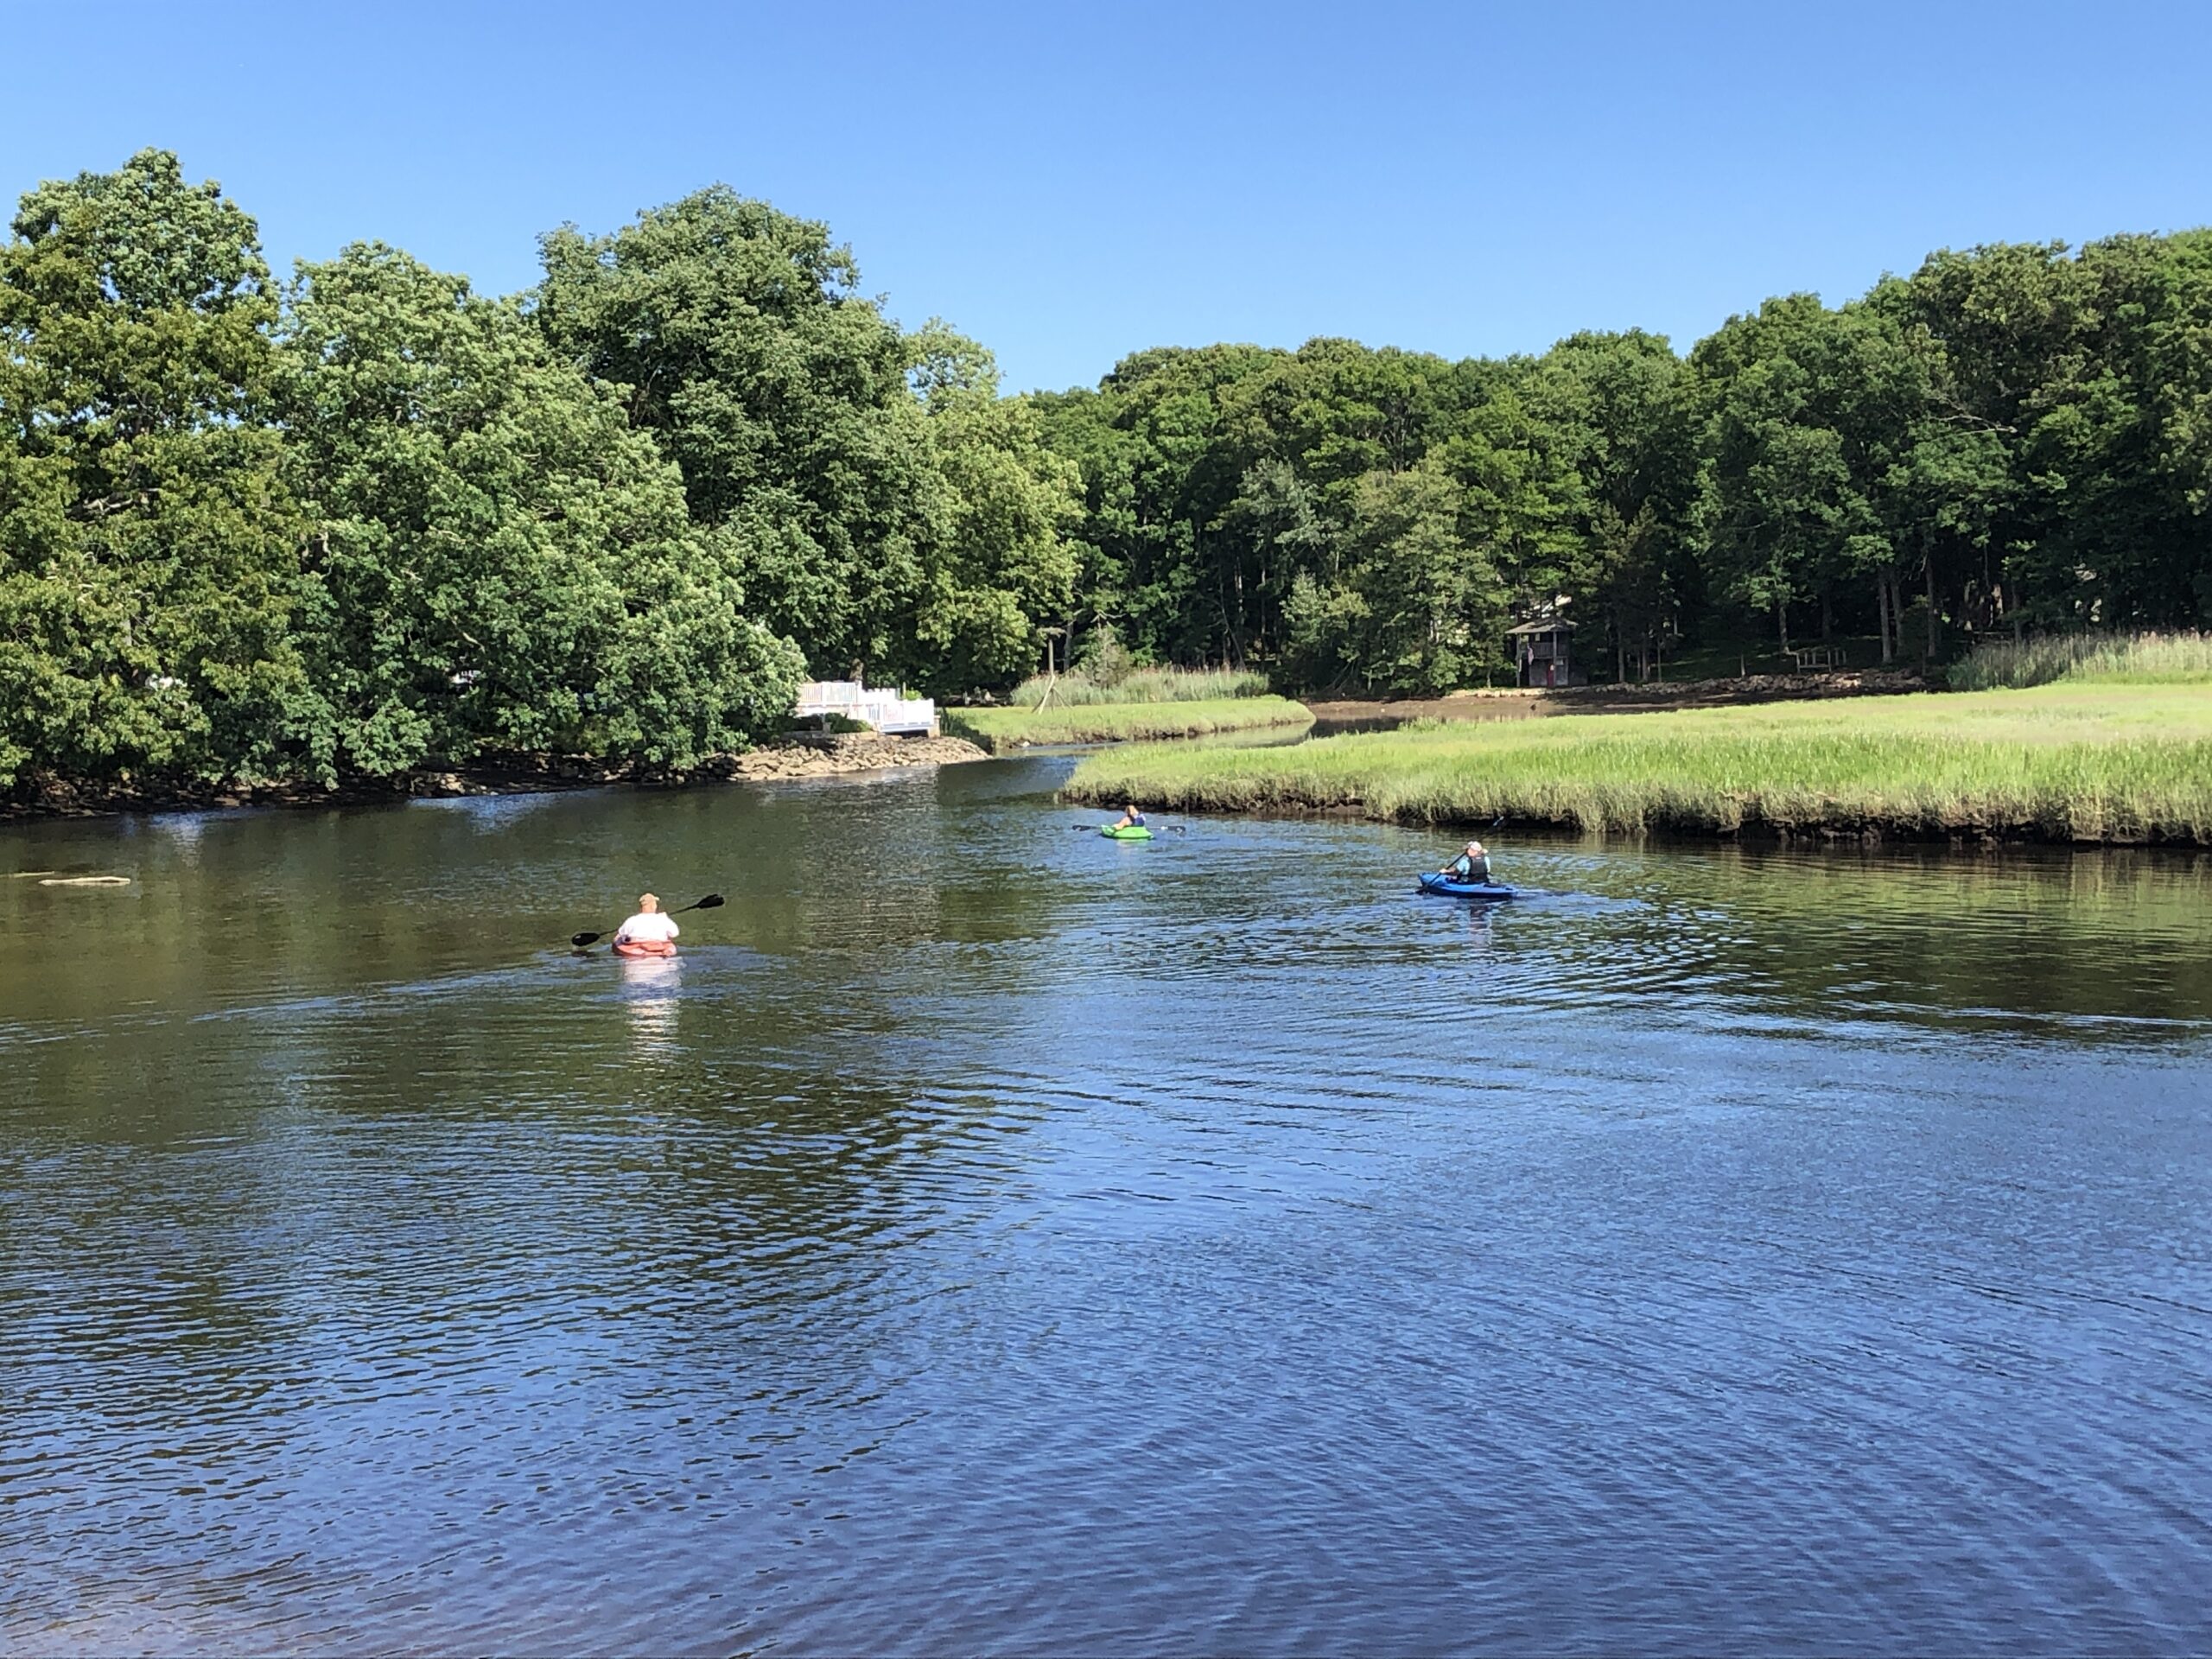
[
  {"x": 1130, "y": 818},
  {"x": 1472, "y": 865}
]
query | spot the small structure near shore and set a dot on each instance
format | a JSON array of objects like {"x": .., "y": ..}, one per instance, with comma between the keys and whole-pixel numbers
[
  {"x": 892, "y": 713},
  {"x": 1542, "y": 652}
]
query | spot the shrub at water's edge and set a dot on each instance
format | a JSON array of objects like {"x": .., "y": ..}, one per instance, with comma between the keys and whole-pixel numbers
[
  {"x": 2121, "y": 659},
  {"x": 2082, "y": 763},
  {"x": 1000, "y": 730}
]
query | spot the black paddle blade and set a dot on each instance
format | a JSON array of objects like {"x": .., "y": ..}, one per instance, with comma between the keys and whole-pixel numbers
[
  {"x": 710, "y": 902},
  {"x": 582, "y": 939}
]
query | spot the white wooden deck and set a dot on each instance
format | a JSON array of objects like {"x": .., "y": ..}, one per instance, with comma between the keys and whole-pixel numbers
[{"x": 887, "y": 711}]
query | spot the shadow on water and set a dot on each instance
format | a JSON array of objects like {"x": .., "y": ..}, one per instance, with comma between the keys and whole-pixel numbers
[
  {"x": 988, "y": 1236},
  {"x": 1327, "y": 727}
]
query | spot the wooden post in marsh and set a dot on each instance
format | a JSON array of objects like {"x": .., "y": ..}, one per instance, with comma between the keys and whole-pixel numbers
[{"x": 1051, "y": 669}]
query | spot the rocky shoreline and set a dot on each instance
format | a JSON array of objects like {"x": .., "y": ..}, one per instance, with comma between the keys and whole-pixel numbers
[{"x": 781, "y": 760}]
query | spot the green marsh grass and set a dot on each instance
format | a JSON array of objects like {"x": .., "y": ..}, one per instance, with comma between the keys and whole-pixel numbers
[
  {"x": 2110, "y": 658},
  {"x": 2077, "y": 762},
  {"x": 1000, "y": 730},
  {"x": 1078, "y": 690}
]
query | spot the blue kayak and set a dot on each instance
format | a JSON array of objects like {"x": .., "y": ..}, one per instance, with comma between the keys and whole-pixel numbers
[{"x": 1456, "y": 889}]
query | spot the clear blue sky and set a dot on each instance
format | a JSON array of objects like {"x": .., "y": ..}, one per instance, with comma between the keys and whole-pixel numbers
[{"x": 1070, "y": 183}]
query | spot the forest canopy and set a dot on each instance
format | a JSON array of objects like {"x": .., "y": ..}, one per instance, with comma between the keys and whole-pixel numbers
[{"x": 366, "y": 520}]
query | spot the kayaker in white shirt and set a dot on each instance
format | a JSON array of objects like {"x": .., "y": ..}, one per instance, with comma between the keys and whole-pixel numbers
[{"x": 648, "y": 926}]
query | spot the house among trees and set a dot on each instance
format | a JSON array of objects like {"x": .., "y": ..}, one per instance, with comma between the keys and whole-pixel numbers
[{"x": 1542, "y": 652}]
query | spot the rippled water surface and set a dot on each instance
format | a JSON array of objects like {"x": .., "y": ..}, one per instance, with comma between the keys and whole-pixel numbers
[{"x": 988, "y": 1237}]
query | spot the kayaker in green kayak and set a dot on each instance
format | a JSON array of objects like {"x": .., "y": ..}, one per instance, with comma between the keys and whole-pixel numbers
[
  {"x": 1130, "y": 818},
  {"x": 1472, "y": 865}
]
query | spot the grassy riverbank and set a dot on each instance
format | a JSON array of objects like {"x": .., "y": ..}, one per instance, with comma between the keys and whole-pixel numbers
[
  {"x": 2074, "y": 762},
  {"x": 1139, "y": 685},
  {"x": 1001, "y": 729},
  {"x": 2112, "y": 659}
]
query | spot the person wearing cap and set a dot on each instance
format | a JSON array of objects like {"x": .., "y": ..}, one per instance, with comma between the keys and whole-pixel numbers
[
  {"x": 1472, "y": 865},
  {"x": 648, "y": 927}
]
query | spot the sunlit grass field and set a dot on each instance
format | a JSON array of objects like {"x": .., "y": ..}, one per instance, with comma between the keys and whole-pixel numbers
[
  {"x": 1141, "y": 685},
  {"x": 2116, "y": 659},
  {"x": 1000, "y": 730},
  {"x": 2069, "y": 762}
]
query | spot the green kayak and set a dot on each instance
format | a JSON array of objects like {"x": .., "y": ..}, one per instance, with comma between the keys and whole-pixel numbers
[{"x": 1134, "y": 832}]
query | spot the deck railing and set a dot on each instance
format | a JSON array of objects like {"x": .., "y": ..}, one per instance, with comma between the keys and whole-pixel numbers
[{"x": 885, "y": 710}]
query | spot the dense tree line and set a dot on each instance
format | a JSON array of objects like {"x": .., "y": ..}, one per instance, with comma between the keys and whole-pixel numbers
[
  {"x": 367, "y": 519},
  {"x": 2012, "y": 437}
]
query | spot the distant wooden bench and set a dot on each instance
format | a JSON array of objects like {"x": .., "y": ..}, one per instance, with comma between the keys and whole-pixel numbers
[{"x": 1818, "y": 656}]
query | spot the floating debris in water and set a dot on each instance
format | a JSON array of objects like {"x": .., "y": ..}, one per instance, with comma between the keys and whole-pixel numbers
[{"x": 85, "y": 881}]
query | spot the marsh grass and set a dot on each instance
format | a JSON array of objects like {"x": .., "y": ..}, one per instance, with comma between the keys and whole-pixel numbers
[
  {"x": 1078, "y": 690},
  {"x": 2111, "y": 658},
  {"x": 2087, "y": 763},
  {"x": 1000, "y": 730}
]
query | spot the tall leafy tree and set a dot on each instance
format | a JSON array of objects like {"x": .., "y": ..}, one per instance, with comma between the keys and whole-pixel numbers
[
  {"x": 1524, "y": 497},
  {"x": 147, "y": 539},
  {"x": 1416, "y": 605},
  {"x": 496, "y": 560},
  {"x": 1617, "y": 407},
  {"x": 1809, "y": 413},
  {"x": 995, "y": 565},
  {"x": 2116, "y": 442},
  {"x": 749, "y": 352},
  {"x": 1165, "y": 445}
]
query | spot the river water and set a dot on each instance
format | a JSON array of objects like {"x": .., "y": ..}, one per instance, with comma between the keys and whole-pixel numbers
[{"x": 991, "y": 1238}]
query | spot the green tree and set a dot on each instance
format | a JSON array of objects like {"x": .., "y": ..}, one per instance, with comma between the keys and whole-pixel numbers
[
  {"x": 1781, "y": 506},
  {"x": 1524, "y": 498},
  {"x": 995, "y": 565},
  {"x": 749, "y": 354},
  {"x": 1417, "y": 605},
  {"x": 2115, "y": 443},
  {"x": 1617, "y": 407},
  {"x": 1165, "y": 445},
  {"x": 496, "y": 560},
  {"x": 148, "y": 544}
]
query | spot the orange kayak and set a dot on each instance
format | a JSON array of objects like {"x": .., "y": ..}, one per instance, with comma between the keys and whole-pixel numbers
[{"x": 644, "y": 948}]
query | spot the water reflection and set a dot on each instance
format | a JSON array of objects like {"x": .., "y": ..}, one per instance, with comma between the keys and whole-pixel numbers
[
  {"x": 986, "y": 1237},
  {"x": 651, "y": 990},
  {"x": 184, "y": 829}
]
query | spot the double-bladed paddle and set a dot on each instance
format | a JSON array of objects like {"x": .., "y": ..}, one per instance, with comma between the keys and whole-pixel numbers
[{"x": 707, "y": 903}]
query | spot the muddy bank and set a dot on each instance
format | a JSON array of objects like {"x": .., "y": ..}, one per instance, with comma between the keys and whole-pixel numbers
[
  {"x": 1514, "y": 703},
  {"x": 784, "y": 758}
]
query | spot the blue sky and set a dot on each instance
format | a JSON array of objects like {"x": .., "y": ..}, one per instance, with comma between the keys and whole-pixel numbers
[{"x": 1070, "y": 183}]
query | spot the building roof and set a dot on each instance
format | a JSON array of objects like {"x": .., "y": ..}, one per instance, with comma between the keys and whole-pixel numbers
[{"x": 1552, "y": 626}]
